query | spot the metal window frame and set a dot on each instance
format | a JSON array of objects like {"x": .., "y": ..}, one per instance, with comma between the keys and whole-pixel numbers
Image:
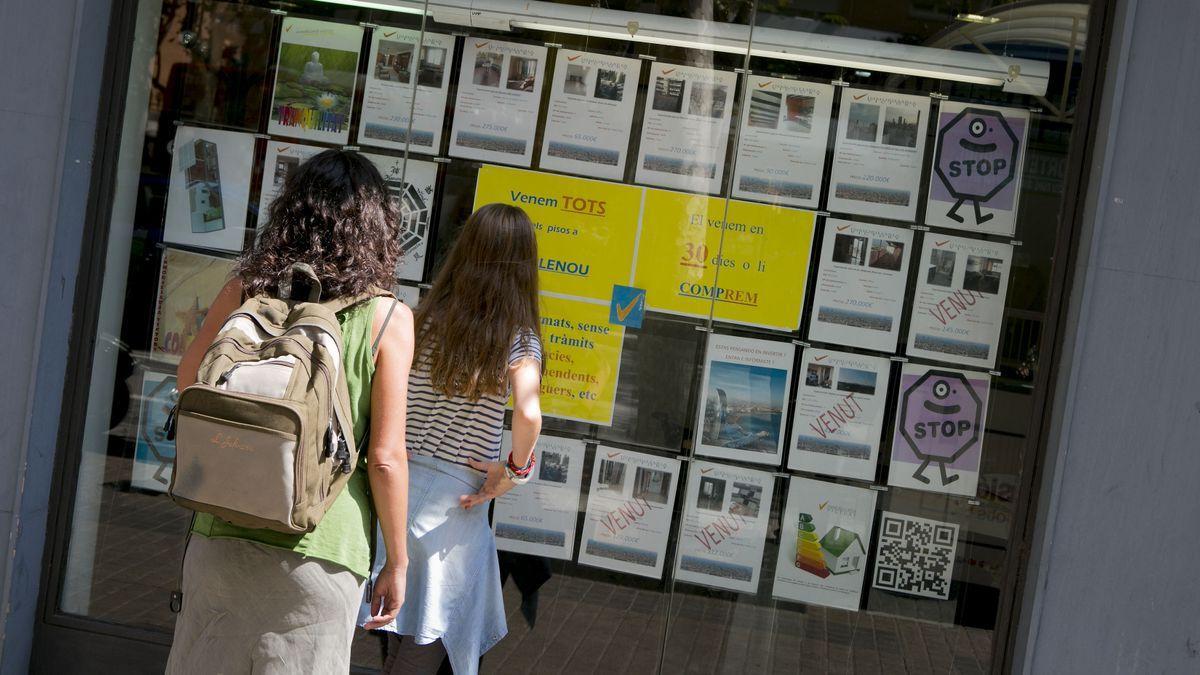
[{"x": 102, "y": 644}]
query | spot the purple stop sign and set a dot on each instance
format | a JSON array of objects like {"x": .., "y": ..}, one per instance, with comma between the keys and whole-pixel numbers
[
  {"x": 976, "y": 158},
  {"x": 940, "y": 416}
]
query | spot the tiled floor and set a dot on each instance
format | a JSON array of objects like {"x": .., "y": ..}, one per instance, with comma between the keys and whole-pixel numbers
[{"x": 584, "y": 625}]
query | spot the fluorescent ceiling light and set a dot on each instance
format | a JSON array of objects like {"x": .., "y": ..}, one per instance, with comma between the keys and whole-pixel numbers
[
  {"x": 399, "y": 6},
  {"x": 1012, "y": 74},
  {"x": 977, "y": 18}
]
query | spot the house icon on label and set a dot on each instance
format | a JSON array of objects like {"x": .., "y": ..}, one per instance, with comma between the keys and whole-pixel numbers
[{"x": 844, "y": 551}]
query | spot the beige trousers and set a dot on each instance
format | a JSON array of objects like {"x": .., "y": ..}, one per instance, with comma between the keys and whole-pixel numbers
[{"x": 249, "y": 608}]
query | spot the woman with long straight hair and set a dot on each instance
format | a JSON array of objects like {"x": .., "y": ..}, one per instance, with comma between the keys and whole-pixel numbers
[
  {"x": 257, "y": 600},
  {"x": 476, "y": 343}
]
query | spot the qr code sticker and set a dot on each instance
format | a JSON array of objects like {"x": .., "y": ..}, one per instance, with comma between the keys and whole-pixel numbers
[{"x": 915, "y": 555}]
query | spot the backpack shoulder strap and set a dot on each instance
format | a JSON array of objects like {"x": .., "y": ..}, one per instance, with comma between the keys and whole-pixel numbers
[
  {"x": 383, "y": 327},
  {"x": 338, "y": 304}
]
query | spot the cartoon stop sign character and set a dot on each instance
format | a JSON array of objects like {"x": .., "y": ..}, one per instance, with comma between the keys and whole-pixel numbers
[
  {"x": 940, "y": 416},
  {"x": 976, "y": 158}
]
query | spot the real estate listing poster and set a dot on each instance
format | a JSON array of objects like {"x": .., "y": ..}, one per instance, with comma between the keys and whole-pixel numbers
[
  {"x": 314, "y": 80},
  {"x": 824, "y": 535},
  {"x": 583, "y": 360},
  {"x": 861, "y": 279},
  {"x": 209, "y": 193},
  {"x": 781, "y": 149},
  {"x": 915, "y": 556},
  {"x": 154, "y": 454},
  {"x": 744, "y": 392},
  {"x": 538, "y": 518},
  {"x": 499, "y": 91},
  {"x": 878, "y": 154},
  {"x": 629, "y": 507},
  {"x": 725, "y": 516},
  {"x": 584, "y": 228},
  {"x": 977, "y": 168},
  {"x": 958, "y": 306},
  {"x": 412, "y": 186},
  {"x": 591, "y": 114},
  {"x": 187, "y": 285},
  {"x": 409, "y": 295},
  {"x": 405, "y": 106},
  {"x": 940, "y": 419},
  {"x": 685, "y": 128},
  {"x": 761, "y": 250},
  {"x": 282, "y": 158},
  {"x": 838, "y": 417}
]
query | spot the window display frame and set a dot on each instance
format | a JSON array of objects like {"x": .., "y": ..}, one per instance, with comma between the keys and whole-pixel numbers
[{"x": 96, "y": 641}]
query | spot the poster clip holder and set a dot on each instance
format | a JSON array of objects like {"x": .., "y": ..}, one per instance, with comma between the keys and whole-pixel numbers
[
  {"x": 553, "y": 45},
  {"x": 441, "y": 160},
  {"x": 279, "y": 12},
  {"x": 800, "y": 343},
  {"x": 648, "y": 57},
  {"x": 921, "y": 228},
  {"x": 424, "y": 286},
  {"x": 744, "y": 71},
  {"x": 839, "y": 83},
  {"x": 349, "y": 148},
  {"x": 368, "y": 24},
  {"x": 459, "y": 33},
  {"x": 878, "y": 488},
  {"x": 824, "y": 214},
  {"x": 899, "y": 359},
  {"x": 1016, "y": 242},
  {"x": 265, "y": 137},
  {"x": 1036, "y": 111},
  {"x": 937, "y": 96},
  {"x": 704, "y": 329},
  {"x": 995, "y": 373},
  {"x": 973, "y": 502}
]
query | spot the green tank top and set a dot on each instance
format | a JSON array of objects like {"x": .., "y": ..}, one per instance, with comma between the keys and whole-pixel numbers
[{"x": 343, "y": 536}]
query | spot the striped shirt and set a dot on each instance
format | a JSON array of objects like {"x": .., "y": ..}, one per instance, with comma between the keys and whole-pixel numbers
[{"x": 455, "y": 428}]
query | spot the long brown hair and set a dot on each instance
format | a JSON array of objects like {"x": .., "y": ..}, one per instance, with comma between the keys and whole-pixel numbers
[
  {"x": 485, "y": 295},
  {"x": 335, "y": 214}
]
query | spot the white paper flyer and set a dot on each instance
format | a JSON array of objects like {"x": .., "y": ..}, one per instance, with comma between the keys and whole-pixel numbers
[
  {"x": 685, "y": 128},
  {"x": 878, "y": 153},
  {"x": 861, "y": 281},
  {"x": 412, "y": 186},
  {"x": 282, "y": 158},
  {"x": 724, "y": 530},
  {"x": 314, "y": 80},
  {"x": 781, "y": 148},
  {"x": 209, "y": 192},
  {"x": 629, "y": 510},
  {"x": 390, "y": 116},
  {"x": 977, "y": 166},
  {"x": 839, "y": 412},
  {"x": 499, "y": 91},
  {"x": 591, "y": 114},
  {"x": 958, "y": 306},
  {"x": 745, "y": 390},
  {"x": 825, "y": 532},
  {"x": 539, "y": 517}
]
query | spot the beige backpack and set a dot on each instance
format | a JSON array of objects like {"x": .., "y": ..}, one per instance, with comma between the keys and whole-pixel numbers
[{"x": 264, "y": 438}]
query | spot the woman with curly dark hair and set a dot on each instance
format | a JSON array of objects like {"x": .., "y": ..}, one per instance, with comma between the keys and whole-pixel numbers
[{"x": 259, "y": 600}]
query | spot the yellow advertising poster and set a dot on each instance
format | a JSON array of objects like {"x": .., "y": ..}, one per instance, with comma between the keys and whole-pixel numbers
[
  {"x": 586, "y": 229},
  {"x": 763, "y": 262},
  {"x": 583, "y": 358},
  {"x": 187, "y": 285}
]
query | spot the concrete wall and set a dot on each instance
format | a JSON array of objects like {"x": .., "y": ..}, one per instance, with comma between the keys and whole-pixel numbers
[
  {"x": 52, "y": 56},
  {"x": 1114, "y": 586}
]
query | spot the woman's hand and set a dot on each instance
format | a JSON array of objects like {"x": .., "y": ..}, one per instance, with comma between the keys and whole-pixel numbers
[
  {"x": 387, "y": 595},
  {"x": 496, "y": 483}
]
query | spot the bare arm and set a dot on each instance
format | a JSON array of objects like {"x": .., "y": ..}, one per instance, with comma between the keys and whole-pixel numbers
[
  {"x": 526, "y": 378},
  {"x": 228, "y": 300},
  {"x": 387, "y": 457}
]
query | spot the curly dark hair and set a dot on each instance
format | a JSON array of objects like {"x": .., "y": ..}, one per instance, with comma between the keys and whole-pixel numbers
[{"x": 335, "y": 214}]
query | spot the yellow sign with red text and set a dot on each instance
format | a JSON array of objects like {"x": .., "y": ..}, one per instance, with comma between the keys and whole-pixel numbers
[
  {"x": 586, "y": 229},
  {"x": 583, "y": 358},
  {"x": 747, "y": 266}
]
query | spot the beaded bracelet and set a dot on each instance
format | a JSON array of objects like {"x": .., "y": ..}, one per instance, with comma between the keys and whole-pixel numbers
[{"x": 522, "y": 475}]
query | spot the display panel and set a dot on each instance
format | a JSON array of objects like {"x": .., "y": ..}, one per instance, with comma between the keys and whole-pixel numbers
[
  {"x": 540, "y": 518},
  {"x": 404, "y": 94},
  {"x": 315, "y": 76},
  {"x": 499, "y": 91},
  {"x": 745, "y": 390}
]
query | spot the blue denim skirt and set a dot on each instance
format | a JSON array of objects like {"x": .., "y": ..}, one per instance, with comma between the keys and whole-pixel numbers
[{"x": 453, "y": 592}]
